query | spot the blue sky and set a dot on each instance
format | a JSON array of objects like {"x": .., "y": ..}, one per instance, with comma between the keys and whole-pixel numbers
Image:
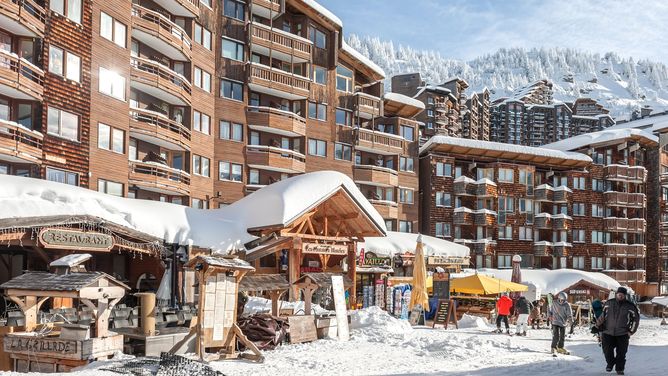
[{"x": 465, "y": 29}]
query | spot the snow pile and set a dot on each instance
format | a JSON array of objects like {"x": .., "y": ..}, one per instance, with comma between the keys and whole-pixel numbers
[
  {"x": 473, "y": 322},
  {"x": 594, "y": 138},
  {"x": 261, "y": 305},
  {"x": 375, "y": 321},
  {"x": 401, "y": 242}
]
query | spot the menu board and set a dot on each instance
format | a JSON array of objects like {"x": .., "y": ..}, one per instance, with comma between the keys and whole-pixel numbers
[
  {"x": 445, "y": 313},
  {"x": 441, "y": 286}
]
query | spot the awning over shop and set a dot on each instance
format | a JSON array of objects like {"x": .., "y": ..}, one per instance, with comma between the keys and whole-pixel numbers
[
  {"x": 401, "y": 242},
  {"x": 484, "y": 285}
]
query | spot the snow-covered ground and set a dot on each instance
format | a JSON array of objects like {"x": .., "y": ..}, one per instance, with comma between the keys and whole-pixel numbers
[{"x": 382, "y": 345}]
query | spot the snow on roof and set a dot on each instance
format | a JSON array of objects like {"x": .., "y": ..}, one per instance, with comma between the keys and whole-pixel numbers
[
  {"x": 498, "y": 146},
  {"x": 403, "y": 99},
  {"x": 661, "y": 300},
  {"x": 593, "y": 138},
  {"x": 656, "y": 123},
  {"x": 361, "y": 58},
  {"x": 441, "y": 89},
  {"x": 549, "y": 281},
  {"x": 402, "y": 242},
  {"x": 325, "y": 12}
]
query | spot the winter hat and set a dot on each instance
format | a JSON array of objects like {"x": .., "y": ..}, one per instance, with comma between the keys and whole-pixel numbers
[
  {"x": 563, "y": 295},
  {"x": 622, "y": 290}
]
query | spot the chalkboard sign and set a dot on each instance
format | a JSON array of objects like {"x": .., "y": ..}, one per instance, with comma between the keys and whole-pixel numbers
[
  {"x": 441, "y": 286},
  {"x": 445, "y": 313}
]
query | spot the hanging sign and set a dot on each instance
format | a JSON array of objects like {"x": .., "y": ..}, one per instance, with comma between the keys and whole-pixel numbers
[
  {"x": 324, "y": 249},
  {"x": 370, "y": 259},
  {"x": 73, "y": 239}
]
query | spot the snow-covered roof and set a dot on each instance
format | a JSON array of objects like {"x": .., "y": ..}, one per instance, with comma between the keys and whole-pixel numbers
[
  {"x": 402, "y": 242},
  {"x": 655, "y": 123},
  {"x": 549, "y": 281},
  {"x": 403, "y": 99},
  {"x": 502, "y": 147},
  {"x": 362, "y": 59},
  {"x": 325, "y": 12},
  {"x": 604, "y": 136},
  {"x": 661, "y": 300}
]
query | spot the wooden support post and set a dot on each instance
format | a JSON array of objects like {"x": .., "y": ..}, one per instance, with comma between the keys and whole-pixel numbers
[
  {"x": 352, "y": 274},
  {"x": 274, "y": 295},
  {"x": 294, "y": 264},
  {"x": 308, "y": 295}
]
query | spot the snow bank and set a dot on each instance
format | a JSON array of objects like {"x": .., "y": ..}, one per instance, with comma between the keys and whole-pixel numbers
[
  {"x": 261, "y": 305},
  {"x": 473, "y": 322},
  {"x": 401, "y": 242},
  {"x": 593, "y": 138},
  {"x": 374, "y": 322}
]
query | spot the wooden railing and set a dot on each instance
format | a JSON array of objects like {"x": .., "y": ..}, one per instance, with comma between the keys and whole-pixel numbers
[
  {"x": 623, "y": 172},
  {"x": 191, "y": 5},
  {"x": 282, "y": 38},
  {"x": 624, "y": 250},
  {"x": 273, "y": 75},
  {"x": 28, "y": 6},
  {"x": 283, "y": 153},
  {"x": 381, "y": 138},
  {"x": 163, "y": 23},
  {"x": 616, "y": 224},
  {"x": 20, "y": 140},
  {"x": 152, "y": 67},
  {"x": 275, "y": 5},
  {"x": 636, "y": 200},
  {"x": 626, "y": 276},
  {"x": 278, "y": 112},
  {"x": 158, "y": 171},
  {"x": 159, "y": 121},
  {"x": 20, "y": 73},
  {"x": 367, "y": 102}
]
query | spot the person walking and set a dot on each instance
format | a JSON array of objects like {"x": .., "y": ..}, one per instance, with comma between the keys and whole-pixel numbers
[
  {"x": 503, "y": 306},
  {"x": 619, "y": 321},
  {"x": 559, "y": 314},
  {"x": 522, "y": 308},
  {"x": 597, "y": 311}
]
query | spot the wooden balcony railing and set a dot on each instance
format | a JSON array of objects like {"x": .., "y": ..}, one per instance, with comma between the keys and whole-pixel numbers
[
  {"x": 155, "y": 176},
  {"x": 625, "y": 173},
  {"x": 374, "y": 174},
  {"x": 277, "y": 79},
  {"x": 19, "y": 74},
  {"x": 542, "y": 249},
  {"x": 561, "y": 194},
  {"x": 27, "y": 13},
  {"x": 273, "y": 118},
  {"x": 387, "y": 209},
  {"x": 275, "y": 158},
  {"x": 624, "y": 250},
  {"x": 19, "y": 142},
  {"x": 161, "y": 27},
  {"x": 379, "y": 140},
  {"x": 615, "y": 224},
  {"x": 561, "y": 222},
  {"x": 484, "y": 217},
  {"x": 281, "y": 41},
  {"x": 543, "y": 192},
  {"x": 626, "y": 276},
  {"x": 188, "y": 8},
  {"x": 485, "y": 188},
  {"x": 155, "y": 74},
  {"x": 159, "y": 126},
  {"x": 623, "y": 199},
  {"x": 464, "y": 186},
  {"x": 367, "y": 104},
  {"x": 542, "y": 221},
  {"x": 463, "y": 216}
]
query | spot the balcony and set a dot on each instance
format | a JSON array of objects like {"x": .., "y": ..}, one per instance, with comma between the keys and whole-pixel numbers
[
  {"x": 561, "y": 194},
  {"x": 484, "y": 217},
  {"x": 160, "y": 33},
  {"x": 485, "y": 188},
  {"x": 463, "y": 216},
  {"x": 623, "y": 199},
  {"x": 386, "y": 209},
  {"x": 270, "y": 158},
  {"x": 624, "y": 250},
  {"x": 156, "y": 177},
  {"x": 379, "y": 142},
  {"x": 158, "y": 129},
  {"x": 561, "y": 222},
  {"x": 273, "y": 120},
  {"x": 614, "y": 224},
  {"x": 274, "y": 42},
  {"x": 543, "y": 192},
  {"x": 183, "y": 8},
  {"x": 464, "y": 186},
  {"x": 367, "y": 106},
  {"x": 266, "y": 8},
  {"x": 159, "y": 81},
  {"x": 635, "y": 174},
  {"x": 542, "y": 249},
  {"x": 375, "y": 176},
  {"x": 19, "y": 144},
  {"x": 19, "y": 78},
  {"x": 483, "y": 247},
  {"x": 272, "y": 81},
  {"x": 626, "y": 276},
  {"x": 561, "y": 249},
  {"x": 542, "y": 221},
  {"x": 22, "y": 17}
]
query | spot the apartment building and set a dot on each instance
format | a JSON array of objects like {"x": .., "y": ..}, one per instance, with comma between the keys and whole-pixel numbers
[
  {"x": 580, "y": 203},
  {"x": 589, "y": 116},
  {"x": 222, "y": 98}
]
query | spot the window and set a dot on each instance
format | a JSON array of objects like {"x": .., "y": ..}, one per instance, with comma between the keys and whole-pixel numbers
[
  {"x": 578, "y": 236},
  {"x": 485, "y": 173},
  {"x": 199, "y": 204},
  {"x": 317, "y": 147},
  {"x": 110, "y": 187},
  {"x": 408, "y": 133},
  {"x": 506, "y": 175},
  {"x": 405, "y": 195},
  {"x": 596, "y": 210},
  {"x": 319, "y": 75},
  {"x": 112, "y": 30},
  {"x": 62, "y": 124},
  {"x": 505, "y": 261},
  {"x": 405, "y": 226},
  {"x": 112, "y": 83},
  {"x": 231, "y": 131},
  {"x": 526, "y": 233},
  {"x": 578, "y": 262},
  {"x": 344, "y": 79},
  {"x": 597, "y": 185},
  {"x": 430, "y": 112},
  {"x": 526, "y": 205},
  {"x": 201, "y": 166},
  {"x": 253, "y": 176},
  {"x": 202, "y": 36},
  {"x": 62, "y": 176},
  {"x": 110, "y": 138},
  {"x": 202, "y": 79},
  {"x": 406, "y": 164},
  {"x": 506, "y": 204},
  {"x": 443, "y": 169},
  {"x": 597, "y": 263},
  {"x": 232, "y": 90},
  {"x": 443, "y": 199},
  {"x": 201, "y": 122},
  {"x": 233, "y": 50},
  {"x": 443, "y": 230},
  {"x": 234, "y": 9},
  {"x": 64, "y": 63},
  {"x": 343, "y": 152},
  {"x": 506, "y": 232},
  {"x": 579, "y": 182},
  {"x": 597, "y": 237},
  {"x": 68, "y": 8},
  {"x": 230, "y": 171},
  {"x": 578, "y": 208},
  {"x": 344, "y": 117},
  {"x": 318, "y": 38},
  {"x": 317, "y": 111}
]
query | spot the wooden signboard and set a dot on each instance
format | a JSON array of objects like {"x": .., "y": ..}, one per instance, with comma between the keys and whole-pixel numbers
[
  {"x": 58, "y": 348},
  {"x": 77, "y": 240},
  {"x": 445, "y": 313},
  {"x": 302, "y": 328},
  {"x": 324, "y": 249},
  {"x": 441, "y": 286}
]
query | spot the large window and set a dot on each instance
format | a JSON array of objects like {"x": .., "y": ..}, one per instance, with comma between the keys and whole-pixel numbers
[
  {"x": 234, "y": 9},
  {"x": 231, "y": 131},
  {"x": 579, "y": 182},
  {"x": 443, "y": 199},
  {"x": 344, "y": 117},
  {"x": 109, "y": 138},
  {"x": 318, "y": 37},
  {"x": 406, "y": 164},
  {"x": 319, "y": 75},
  {"x": 506, "y": 232},
  {"x": 344, "y": 79},
  {"x": 597, "y": 263},
  {"x": 68, "y": 8},
  {"x": 202, "y": 79},
  {"x": 505, "y": 261},
  {"x": 408, "y": 132},
  {"x": 317, "y": 111},
  {"x": 443, "y": 169},
  {"x": 64, "y": 63},
  {"x": 442, "y": 230},
  {"x": 578, "y": 236},
  {"x": 112, "y": 30},
  {"x": 525, "y": 233},
  {"x": 343, "y": 152},
  {"x": 110, "y": 187},
  {"x": 597, "y": 237},
  {"x": 62, "y": 176},
  {"x": 229, "y": 171},
  {"x": 201, "y": 166},
  {"x": 406, "y": 195},
  {"x": 112, "y": 84},
  {"x": 233, "y": 50},
  {"x": 578, "y": 208},
  {"x": 506, "y": 175},
  {"x": 232, "y": 90},
  {"x": 317, "y": 147},
  {"x": 62, "y": 124},
  {"x": 578, "y": 262},
  {"x": 405, "y": 226},
  {"x": 597, "y": 210},
  {"x": 201, "y": 122},
  {"x": 202, "y": 36}
]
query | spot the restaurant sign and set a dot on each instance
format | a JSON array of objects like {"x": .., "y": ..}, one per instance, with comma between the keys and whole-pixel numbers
[
  {"x": 34, "y": 345},
  {"x": 79, "y": 240},
  {"x": 324, "y": 249},
  {"x": 443, "y": 260}
]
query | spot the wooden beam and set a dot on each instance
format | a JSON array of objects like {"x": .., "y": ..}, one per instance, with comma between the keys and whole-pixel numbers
[{"x": 310, "y": 226}]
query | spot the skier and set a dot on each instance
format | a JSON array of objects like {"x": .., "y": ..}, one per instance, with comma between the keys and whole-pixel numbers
[
  {"x": 618, "y": 322},
  {"x": 522, "y": 308},
  {"x": 536, "y": 314},
  {"x": 559, "y": 314},
  {"x": 503, "y": 306}
]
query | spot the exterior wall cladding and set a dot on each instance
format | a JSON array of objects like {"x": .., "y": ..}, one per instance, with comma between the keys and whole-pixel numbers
[{"x": 198, "y": 102}]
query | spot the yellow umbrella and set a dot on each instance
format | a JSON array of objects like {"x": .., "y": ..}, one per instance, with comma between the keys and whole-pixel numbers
[
  {"x": 484, "y": 285},
  {"x": 419, "y": 291}
]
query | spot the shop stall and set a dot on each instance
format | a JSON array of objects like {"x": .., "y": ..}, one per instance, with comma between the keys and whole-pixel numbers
[
  {"x": 372, "y": 274},
  {"x": 273, "y": 286}
]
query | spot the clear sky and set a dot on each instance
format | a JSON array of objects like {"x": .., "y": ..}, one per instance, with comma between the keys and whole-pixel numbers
[{"x": 464, "y": 29}]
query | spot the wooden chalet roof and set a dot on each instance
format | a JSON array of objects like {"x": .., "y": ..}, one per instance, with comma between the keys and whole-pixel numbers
[
  {"x": 323, "y": 279},
  {"x": 401, "y": 105},
  {"x": 221, "y": 262},
  {"x": 264, "y": 282},
  {"x": 44, "y": 281}
]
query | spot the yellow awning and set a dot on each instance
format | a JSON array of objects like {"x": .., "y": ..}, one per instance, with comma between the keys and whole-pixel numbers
[{"x": 484, "y": 285}]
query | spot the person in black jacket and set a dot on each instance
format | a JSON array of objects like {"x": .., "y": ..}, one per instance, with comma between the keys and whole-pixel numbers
[
  {"x": 618, "y": 322},
  {"x": 522, "y": 309}
]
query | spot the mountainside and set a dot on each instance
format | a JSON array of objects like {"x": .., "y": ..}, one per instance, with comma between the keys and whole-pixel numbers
[{"x": 620, "y": 84}]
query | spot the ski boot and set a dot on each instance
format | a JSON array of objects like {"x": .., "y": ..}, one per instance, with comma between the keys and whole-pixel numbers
[{"x": 563, "y": 351}]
